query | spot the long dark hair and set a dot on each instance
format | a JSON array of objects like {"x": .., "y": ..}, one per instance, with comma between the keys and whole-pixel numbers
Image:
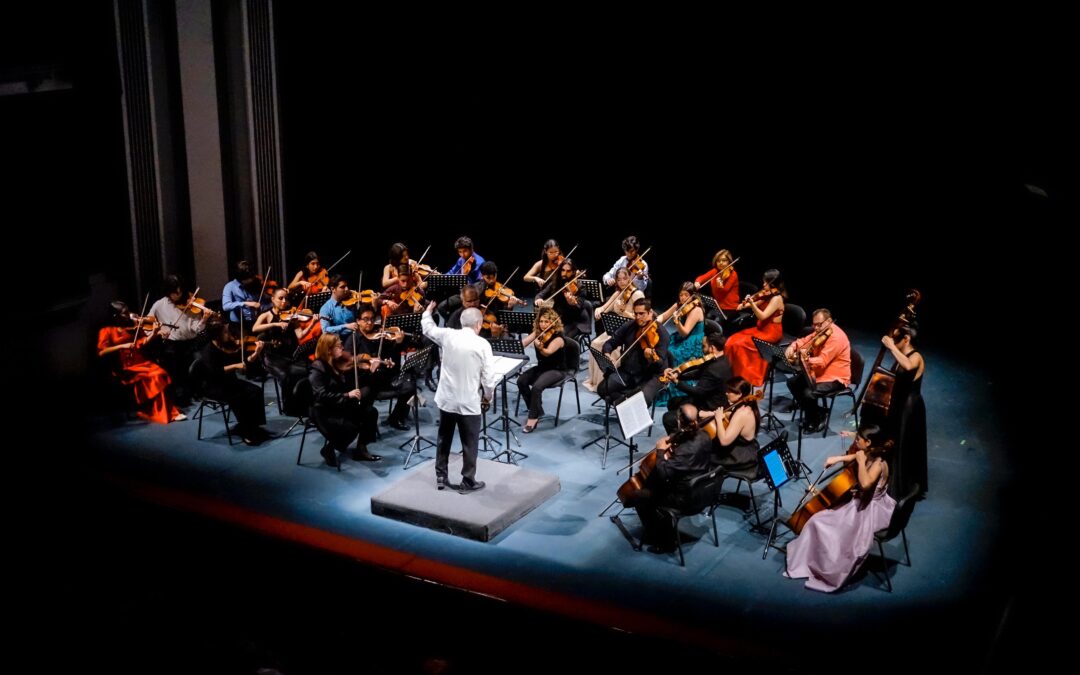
[{"x": 742, "y": 387}]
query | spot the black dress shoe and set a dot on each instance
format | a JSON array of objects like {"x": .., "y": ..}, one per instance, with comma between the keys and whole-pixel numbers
[
  {"x": 365, "y": 457},
  {"x": 466, "y": 488},
  {"x": 442, "y": 485},
  {"x": 328, "y": 454}
]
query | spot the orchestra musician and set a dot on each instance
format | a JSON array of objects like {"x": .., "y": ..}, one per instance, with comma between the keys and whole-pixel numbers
[
  {"x": 181, "y": 330},
  {"x": 689, "y": 320},
  {"x": 631, "y": 247},
  {"x": 240, "y": 296},
  {"x": 707, "y": 389},
  {"x": 383, "y": 373},
  {"x": 567, "y": 301},
  {"x": 312, "y": 278},
  {"x": 827, "y": 352},
  {"x": 546, "y": 338},
  {"x": 470, "y": 297},
  {"x": 340, "y": 410},
  {"x": 489, "y": 275},
  {"x": 334, "y": 317},
  {"x": 281, "y": 332},
  {"x": 399, "y": 255},
  {"x": 723, "y": 283},
  {"x": 618, "y": 303},
  {"x": 549, "y": 261},
  {"x": 405, "y": 296},
  {"x": 906, "y": 422},
  {"x": 736, "y": 440},
  {"x": 835, "y": 542},
  {"x": 768, "y": 307},
  {"x": 223, "y": 358},
  {"x": 680, "y": 456},
  {"x": 123, "y": 341},
  {"x": 469, "y": 261},
  {"x": 643, "y": 357}
]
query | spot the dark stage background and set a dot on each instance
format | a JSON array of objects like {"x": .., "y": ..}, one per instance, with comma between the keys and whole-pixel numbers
[{"x": 858, "y": 175}]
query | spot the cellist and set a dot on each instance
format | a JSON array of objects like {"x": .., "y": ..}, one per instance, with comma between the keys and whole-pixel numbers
[{"x": 679, "y": 457}]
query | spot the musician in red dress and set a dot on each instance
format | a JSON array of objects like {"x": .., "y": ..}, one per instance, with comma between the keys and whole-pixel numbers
[{"x": 768, "y": 307}]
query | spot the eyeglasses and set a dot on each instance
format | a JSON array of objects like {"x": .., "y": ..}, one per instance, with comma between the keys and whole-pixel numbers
[{"x": 367, "y": 319}]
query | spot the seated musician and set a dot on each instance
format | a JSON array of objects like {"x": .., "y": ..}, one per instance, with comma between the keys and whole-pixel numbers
[
  {"x": 281, "y": 337},
  {"x": 708, "y": 386},
  {"x": 547, "y": 339},
  {"x": 835, "y": 542},
  {"x": 468, "y": 262},
  {"x": 640, "y": 363},
  {"x": 340, "y": 410},
  {"x": 569, "y": 302},
  {"x": 723, "y": 285},
  {"x": 335, "y": 317},
  {"x": 312, "y": 278},
  {"x": 123, "y": 341},
  {"x": 181, "y": 331},
  {"x": 736, "y": 427},
  {"x": 386, "y": 366},
  {"x": 549, "y": 261},
  {"x": 470, "y": 297},
  {"x": 404, "y": 297},
  {"x": 224, "y": 358},
  {"x": 620, "y": 302},
  {"x": 768, "y": 308},
  {"x": 240, "y": 298},
  {"x": 827, "y": 352},
  {"x": 679, "y": 457},
  {"x": 631, "y": 248},
  {"x": 399, "y": 255}
]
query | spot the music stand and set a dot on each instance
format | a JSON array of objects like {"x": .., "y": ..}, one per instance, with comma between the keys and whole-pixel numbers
[
  {"x": 507, "y": 367},
  {"x": 506, "y": 347},
  {"x": 613, "y": 322},
  {"x": 606, "y": 367},
  {"x": 780, "y": 469},
  {"x": 410, "y": 323},
  {"x": 516, "y": 322},
  {"x": 634, "y": 417},
  {"x": 444, "y": 285},
  {"x": 709, "y": 303},
  {"x": 417, "y": 361},
  {"x": 591, "y": 289},
  {"x": 774, "y": 356},
  {"x": 316, "y": 300}
]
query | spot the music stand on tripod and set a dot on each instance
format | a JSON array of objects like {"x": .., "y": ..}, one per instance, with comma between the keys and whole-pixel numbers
[
  {"x": 410, "y": 323},
  {"x": 634, "y": 417},
  {"x": 417, "y": 361},
  {"x": 507, "y": 366},
  {"x": 591, "y": 290},
  {"x": 774, "y": 356},
  {"x": 518, "y": 323},
  {"x": 606, "y": 366},
  {"x": 442, "y": 286},
  {"x": 780, "y": 468},
  {"x": 711, "y": 308},
  {"x": 502, "y": 347},
  {"x": 613, "y": 322},
  {"x": 315, "y": 301}
]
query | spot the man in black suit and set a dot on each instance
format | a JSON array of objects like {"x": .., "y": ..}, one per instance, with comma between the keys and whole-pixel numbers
[{"x": 707, "y": 391}]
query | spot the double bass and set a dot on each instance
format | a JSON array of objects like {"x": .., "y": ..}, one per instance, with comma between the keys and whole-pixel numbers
[{"x": 878, "y": 391}]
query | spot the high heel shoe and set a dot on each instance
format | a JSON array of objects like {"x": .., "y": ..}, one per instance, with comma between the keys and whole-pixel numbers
[{"x": 527, "y": 429}]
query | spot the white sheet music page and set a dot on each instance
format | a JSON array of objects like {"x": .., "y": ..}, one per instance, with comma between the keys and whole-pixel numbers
[
  {"x": 505, "y": 364},
  {"x": 634, "y": 415}
]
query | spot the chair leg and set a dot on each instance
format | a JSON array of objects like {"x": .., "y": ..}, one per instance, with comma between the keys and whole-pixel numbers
[
  {"x": 715, "y": 534},
  {"x": 828, "y": 417},
  {"x": 199, "y": 414},
  {"x": 885, "y": 565},
  {"x": 577, "y": 397},
  {"x": 558, "y": 406},
  {"x": 303, "y": 437},
  {"x": 225, "y": 414},
  {"x": 517, "y": 404},
  {"x": 678, "y": 544},
  {"x": 907, "y": 555},
  {"x": 277, "y": 394},
  {"x": 753, "y": 502}
]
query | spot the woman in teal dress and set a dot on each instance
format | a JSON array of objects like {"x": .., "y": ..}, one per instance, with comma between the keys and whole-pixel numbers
[{"x": 689, "y": 322}]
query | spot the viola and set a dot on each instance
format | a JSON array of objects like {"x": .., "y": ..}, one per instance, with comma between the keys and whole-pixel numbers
[
  {"x": 491, "y": 323},
  {"x": 756, "y": 297},
  {"x": 423, "y": 270},
  {"x": 690, "y": 365},
  {"x": 548, "y": 334}
]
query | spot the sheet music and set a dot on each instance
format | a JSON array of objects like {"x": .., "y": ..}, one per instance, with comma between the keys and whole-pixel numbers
[
  {"x": 634, "y": 415},
  {"x": 504, "y": 365}
]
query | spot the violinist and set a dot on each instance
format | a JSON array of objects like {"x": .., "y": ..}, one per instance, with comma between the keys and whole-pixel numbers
[
  {"x": 313, "y": 278},
  {"x": 705, "y": 385},
  {"x": 385, "y": 367},
  {"x": 405, "y": 296},
  {"x": 906, "y": 423},
  {"x": 768, "y": 307},
  {"x": 827, "y": 353},
  {"x": 736, "y": 426},
  {"x": 615, "y": 305},
  {"x": 223, "y": 359},
  {"x": 240, "y": 296},
  {"x": 469, "y": 261},
  {"x": 549, "y": 261},
  {"x": 568, "y": 301},
  {"x": 835, "y": 542},
  {"x": 630, "y": 259},
  {"x": 334, "y": 317},
  {"x": 643, "y": 358},
  {"x": 181, "y": 330},
  {"x": 493, "y": 294},
  {"x": 546, "y": 337},
  {"x": 723, "y": 282},
  {"x": 340, "y": 410},
  {"x": 125, "y": 338},
  {"x": 399, "y": 255},
  {"x": 679, "y": 457},
  {"x": 689, "y": 320},
  {"x": 281, "y": 333},
  {"x": 470, "y": 298}
]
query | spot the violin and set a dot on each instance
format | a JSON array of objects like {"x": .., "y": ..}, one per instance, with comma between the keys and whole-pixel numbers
[
  {"x": 649, "y": 337},
  {"x": 689, "y": 365},
  {"x": 756, "y": 297},
  {"x": 412, "y": 298},
  {"x": 365, "y": 297},
  {"x": 491, "y": 323},
  {"x": 423, "y": 270},
  {"x": 268, "y": 287},
  {"x": 680, "y": 316},
  {"x": 843, "y": 485},
  {"x": 499, "y": 291},
  {"x": 546, "y": 336},
  {"x": 296, "y": 315},
  {"x": 467, "y": 267},
  {"x": 318, "y": 281},
  {"x": 391, "y": 333},
  {"x": 251, "y": 345}
]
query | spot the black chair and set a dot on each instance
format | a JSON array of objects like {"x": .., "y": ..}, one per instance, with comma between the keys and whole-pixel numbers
[
  {"x": 702, "y": 493},
  {"x": 572, "y": 356},
  {"x": 713, "y": 327},
  {"x": 857, "y": 366},
  {"x": 793, "y": 323},
  {"x": 746, "y": 288},
  {"x": 304, "y": 397},
  {"x": 897, "y": 526},
  {"x": 198, "y": 374}
]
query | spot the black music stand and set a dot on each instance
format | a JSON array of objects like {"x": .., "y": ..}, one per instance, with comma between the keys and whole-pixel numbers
[
  {"x": 709, "y": 303},
  {"x": 417, "y": 361},
  {"x": 506, "y": 347},
  {"x": 516, "y": 322},
  {"x": 505, "y": 417},
  {"x": 613, "y": 322},
  {"x": 780, "y": 469},
  {"x": 591, "y": 289},
  {"x": 774, "y": 356},
  {"x": 606, "y": 367},
  {"x": 442, "y": 286},
  {"x": 315, "y": 301},
  {"x": 410, "y": 323},
  {"x": 634, "y": 417}
]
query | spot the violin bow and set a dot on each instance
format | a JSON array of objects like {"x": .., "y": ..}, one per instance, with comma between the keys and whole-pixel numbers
[
  {"x": 504, "y": 283},
  {"x": 421, "y": 260},
  {"x": 548, "y": 302},
  {"x": 548, "y": 278},
  {"x": 138, "y": 324},
  {"x": 721, "y": 270}
]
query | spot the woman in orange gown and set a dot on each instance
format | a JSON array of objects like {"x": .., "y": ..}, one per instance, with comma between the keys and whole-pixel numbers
[
  {"x": 149, "y": 381},
  {"x": 746, "y": 362}
]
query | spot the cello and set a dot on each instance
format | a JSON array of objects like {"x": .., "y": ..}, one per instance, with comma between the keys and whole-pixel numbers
[
  {"x": 878, "y": 391},
  {"x": 843, "y": 485}
]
